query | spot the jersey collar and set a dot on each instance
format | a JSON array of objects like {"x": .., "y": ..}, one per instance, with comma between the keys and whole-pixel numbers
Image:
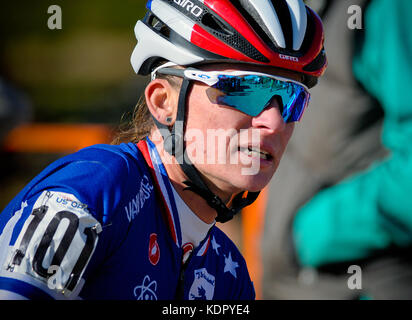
[
  {"x": 185, "y": 226},
  {"x": 164, "y": 188}
]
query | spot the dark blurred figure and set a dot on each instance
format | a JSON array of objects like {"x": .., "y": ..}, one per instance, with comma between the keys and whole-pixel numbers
[
  {"x": 348, "y": 167},
  {"x": 15, "y": 108}
]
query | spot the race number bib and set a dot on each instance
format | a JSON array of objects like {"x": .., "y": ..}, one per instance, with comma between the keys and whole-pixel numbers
[{"x": 56, "y": 242}]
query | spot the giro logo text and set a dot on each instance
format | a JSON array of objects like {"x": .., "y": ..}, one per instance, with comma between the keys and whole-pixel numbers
[
  {"x": 285, "y": 57},
  {"x": 190, "y": 6}
]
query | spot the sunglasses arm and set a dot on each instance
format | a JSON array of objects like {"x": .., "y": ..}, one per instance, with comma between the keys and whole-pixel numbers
[
  {"x": 192, "y": 74},
  {"x": 172, "y": 72}
]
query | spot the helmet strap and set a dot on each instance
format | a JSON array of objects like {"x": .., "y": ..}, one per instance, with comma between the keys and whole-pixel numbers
[{"x": 174, "y": 145}]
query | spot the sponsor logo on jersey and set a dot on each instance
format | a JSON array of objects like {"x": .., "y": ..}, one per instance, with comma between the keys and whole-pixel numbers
[
  {"x": 187, "y": 251},
  {"x": 203, "y": 286},
  {"x": 190, "y": 7},
  {"x": 147, "y": 290},
  {"x": 136, "y": 204},
  {"x": 154, "y": 249}
]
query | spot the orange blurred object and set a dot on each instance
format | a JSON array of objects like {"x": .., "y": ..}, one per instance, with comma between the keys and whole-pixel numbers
[
  {"x": 55, "y": 138},
  {"x": 253, "y": 218}
]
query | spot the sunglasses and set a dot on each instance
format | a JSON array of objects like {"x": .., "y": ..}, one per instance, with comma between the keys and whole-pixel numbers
[{"x": 249, "y": 92}]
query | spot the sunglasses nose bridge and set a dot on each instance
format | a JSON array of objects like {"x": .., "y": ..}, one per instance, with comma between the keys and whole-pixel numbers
[
  {"x": 270, "y": 118},
  {"x": 275, "y": 102}
]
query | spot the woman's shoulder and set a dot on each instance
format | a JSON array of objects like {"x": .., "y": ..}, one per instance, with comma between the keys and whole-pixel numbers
[
  {"x": 102, "y": 161},
  {"x": 110, "y": 155},
  {"x": 99, "y": 175}
]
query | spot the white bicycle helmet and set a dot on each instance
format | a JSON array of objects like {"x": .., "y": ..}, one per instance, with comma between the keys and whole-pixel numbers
[
  {"x": 280, "y": 33},
  {"x": 285, "y": 34}
]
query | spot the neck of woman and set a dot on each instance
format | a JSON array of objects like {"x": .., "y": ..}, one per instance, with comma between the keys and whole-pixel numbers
[{"x": 176, "y": 176}]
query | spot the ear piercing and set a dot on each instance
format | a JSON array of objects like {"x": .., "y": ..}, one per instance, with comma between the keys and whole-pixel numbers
[{"x": 169, "y": 119}]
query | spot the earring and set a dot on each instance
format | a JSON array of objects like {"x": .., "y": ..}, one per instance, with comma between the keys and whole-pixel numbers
[{"x": 169, "y": 119}]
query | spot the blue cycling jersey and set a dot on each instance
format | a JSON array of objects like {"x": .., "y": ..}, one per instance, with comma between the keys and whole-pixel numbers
[{"x": 103, "y": 223}]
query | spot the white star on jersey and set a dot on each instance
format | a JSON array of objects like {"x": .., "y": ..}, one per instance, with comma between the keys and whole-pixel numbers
[
  {"x": 230, "y": 265},
  {"x": 215, "y": 245}
]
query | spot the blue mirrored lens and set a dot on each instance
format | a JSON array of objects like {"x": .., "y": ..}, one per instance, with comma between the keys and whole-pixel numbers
[
  {"x": 252, "y": 93},
  {"x": 293, "y": 110}
]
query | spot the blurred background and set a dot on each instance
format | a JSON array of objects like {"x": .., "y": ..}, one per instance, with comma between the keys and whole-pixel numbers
[{"x": 62, "y": 89}]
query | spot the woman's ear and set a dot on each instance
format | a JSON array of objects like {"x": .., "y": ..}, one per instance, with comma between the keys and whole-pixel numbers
[{"x": 161, "y": 99}]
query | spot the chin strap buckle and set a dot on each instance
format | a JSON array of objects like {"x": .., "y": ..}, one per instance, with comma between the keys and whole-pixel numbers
[{"x": 224, "y": 213}]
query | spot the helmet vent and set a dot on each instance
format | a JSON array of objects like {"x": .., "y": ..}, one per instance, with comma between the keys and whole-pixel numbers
[
  {"x": 249, "y": 13},
  {"x": 229, "y": 35},
  {"x": 317, "y": 63},
  {"x": 216, "y": 25},
  {"x": 157, "y": 24}
]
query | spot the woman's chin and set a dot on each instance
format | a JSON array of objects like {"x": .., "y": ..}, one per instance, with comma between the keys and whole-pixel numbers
[
  {"x": 256, "y": 184},
  {"x": 252, "y": 183}
]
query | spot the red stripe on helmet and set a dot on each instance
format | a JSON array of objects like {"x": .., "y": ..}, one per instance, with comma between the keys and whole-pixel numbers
[
  {"x": 228, "y": 12},
  {"x": 315, "y": 49}
]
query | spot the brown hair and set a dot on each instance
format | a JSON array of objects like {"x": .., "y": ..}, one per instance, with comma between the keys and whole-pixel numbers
[
  {"x": 142, "y": 122},
  {"x": 138, "y": 127}
]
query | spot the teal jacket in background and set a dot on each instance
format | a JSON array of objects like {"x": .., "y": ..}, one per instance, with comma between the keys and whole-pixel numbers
[{"x": 372, "y": 210}]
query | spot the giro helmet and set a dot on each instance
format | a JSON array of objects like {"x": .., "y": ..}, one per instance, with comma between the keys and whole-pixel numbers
[{"x": 285, "y": 34}]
